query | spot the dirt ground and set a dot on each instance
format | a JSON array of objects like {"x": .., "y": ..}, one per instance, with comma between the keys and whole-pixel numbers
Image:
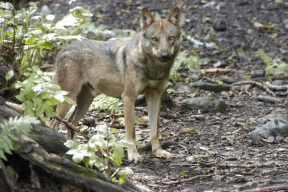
[{"x": 222, "y": 155}]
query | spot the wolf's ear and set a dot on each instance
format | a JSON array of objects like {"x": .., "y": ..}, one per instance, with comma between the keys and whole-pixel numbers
[
  {"x": 175, "y": 17},
  {"x": 146, "y": 18}
]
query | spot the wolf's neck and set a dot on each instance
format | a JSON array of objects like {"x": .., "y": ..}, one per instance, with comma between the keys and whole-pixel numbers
[{"x": 156, "y": 70}]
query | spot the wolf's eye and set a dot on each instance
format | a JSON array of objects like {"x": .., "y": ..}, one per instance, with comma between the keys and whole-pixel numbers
[
  {"x": 154, "y": 39},
  {"x": 171, "y": 38}
]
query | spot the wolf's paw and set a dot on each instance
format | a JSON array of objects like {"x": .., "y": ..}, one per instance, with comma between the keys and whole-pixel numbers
[
  {"x": 133, "y": 154},
  {"x": 163, "y": 154}
]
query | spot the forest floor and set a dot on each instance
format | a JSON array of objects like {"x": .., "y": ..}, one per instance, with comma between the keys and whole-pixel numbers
[{"x": 219, "y": 149}]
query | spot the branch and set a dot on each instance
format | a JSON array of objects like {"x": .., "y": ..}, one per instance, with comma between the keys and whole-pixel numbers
[
  {"x": 257, "y": 84},
  {"x": 277, "y": 87},
  {"x": 189, "y": 179},
  {"x": 72, "y": 128},
  {"x": 269, "y": 189},
  {"x": 270, "y": 99}
]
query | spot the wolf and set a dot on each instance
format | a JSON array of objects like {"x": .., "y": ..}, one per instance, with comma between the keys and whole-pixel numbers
[{"x": 125, "y": 67}]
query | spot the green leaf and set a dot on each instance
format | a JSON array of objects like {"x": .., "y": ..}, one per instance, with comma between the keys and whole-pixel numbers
[
  {"x": 77, "y": 158},
  {"x": 37, "y": 102},
  {"x": 9, "y": 75},
  {"x": 5, "y": 146},
  {"x": 122, "y": 179},
  {"x": 52, "y": 101},
  {"x": 29, "y": 112},
  {"x": 182, "y": 174},
  {"x": 21, "y": 97},
  {"x": 28, "y": 105},
  {"x": 49, "y": 111},
  {"x": 117, "y": 155},
  {"x": 10, "y": 33},
  {"x": 30, "y": 94},
  {"x": 127, "y": 171},
  {"x": 71, "y": 144},
  {"x": 100, "y": 143},
  {"x": 45, "y": 45},
  {"x": 6, "y": 5},
  {"x": 30, "y": 41},
  {"x": 197, "y": 131},
  {"x": 69, "y": 100},
  {"x": 40, "y": 110},
  {"x": 2, "y": 156},
  {"x": 44, "y": 95}
]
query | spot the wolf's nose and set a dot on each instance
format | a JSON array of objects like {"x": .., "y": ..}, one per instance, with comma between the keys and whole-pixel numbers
[{"x": 165, "y": 56}]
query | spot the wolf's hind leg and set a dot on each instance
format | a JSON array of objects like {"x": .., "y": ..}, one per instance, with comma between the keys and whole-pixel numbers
[
  {"x": 83, "y": 101},
  {"x": 61, "y": 111}
]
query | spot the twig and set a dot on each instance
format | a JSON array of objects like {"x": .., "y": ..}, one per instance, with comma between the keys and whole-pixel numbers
[
  {"x": 277, "y": 87},
  {"x": 117, "y": 170},
  {"x": 255, "y": 83},
  {"x": 269, "y": 99},
  {"x": 217, "y": 70},
  {"x": 229, "y": 165},
  {"x": 72, "y": 127},
  {"x": 268, "y": 189},
  {"x": 186, "y": 180}
]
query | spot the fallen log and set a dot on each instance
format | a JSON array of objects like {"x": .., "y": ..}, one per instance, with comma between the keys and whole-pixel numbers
[{"x": 44, "y": 148}]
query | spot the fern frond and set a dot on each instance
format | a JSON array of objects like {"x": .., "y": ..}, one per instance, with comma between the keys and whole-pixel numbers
[
  {"x": 19, "y": 124},
  {"x": 106, "y": 103},
  {"x": 265, "y": 58},
  {"x": 187, "y": 60}
]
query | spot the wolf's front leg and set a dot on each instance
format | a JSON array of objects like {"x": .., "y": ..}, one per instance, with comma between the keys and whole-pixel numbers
[
  {"x": 129, "y": 126},
  {"x": 154, "y": 102}
]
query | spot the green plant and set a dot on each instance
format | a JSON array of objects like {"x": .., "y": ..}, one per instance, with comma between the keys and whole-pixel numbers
[
  {"x": 29, "y": 36},
  {"x": 266, "y": 58},
  {"x": 101, "y": 151},
  {"x": 274, "y": 67},
  {"x": 106, "y": 103},
  {"x": 187, "y": 60},
  {"x": 18, "y": 124},
  {"x": 38, "y": 94}
]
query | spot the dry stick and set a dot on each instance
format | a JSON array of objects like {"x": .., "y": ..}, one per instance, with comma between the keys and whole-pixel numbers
[
  {"x": 186, "y": 180},
  {"x": 229, "y": 165},
  {"x": 255, "y": 83},
  {"x": 72, "y": 127},
  {"x": 269, "y": 99},
  {"x": 268, "y": 189},
  {"x": 277, "y": 87},
  {"x": 218, "y": 70}
]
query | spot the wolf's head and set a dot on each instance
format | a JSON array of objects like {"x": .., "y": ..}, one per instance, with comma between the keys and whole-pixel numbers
[{"x": 161, "y": 38}]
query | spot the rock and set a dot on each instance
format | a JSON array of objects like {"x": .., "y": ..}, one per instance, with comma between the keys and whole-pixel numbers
[
  {"x": 219, "y": 25},
  {"x": 219, "y": 64},
  {"x": 211, "y": 86},
  {"x": 285, "y": 23},
  {"x": 190, "y": 159},
  {"x": 275, "y": 129},
  {"x": 280, "y": 82},
  {"x": 205, "y": 104},
  {"x": 45, "y": 10},
  {"x": 182, "y": 86},
  {"x": 168, "y": 115},
  {"x": 258, "y": 74},
  {"x": 272, "y": 116}
]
